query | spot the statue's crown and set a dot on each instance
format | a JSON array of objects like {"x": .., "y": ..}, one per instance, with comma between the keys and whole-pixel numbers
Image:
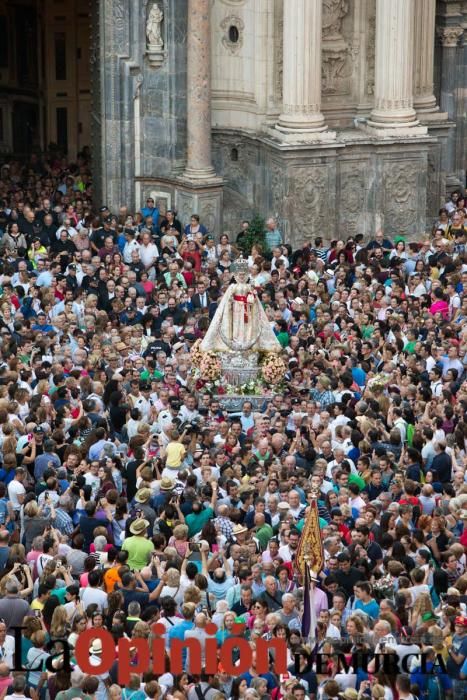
[{"x": 240, "y": 265}]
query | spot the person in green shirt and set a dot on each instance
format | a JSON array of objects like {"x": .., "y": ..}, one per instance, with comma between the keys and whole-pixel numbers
[
  {"x": 139, "y": 548},
  {"x": 150, "y": 374},
  {"x": 409, "y": 347},
  {"x": 199, "y": 516},
  {"x": 264, "y": 532},
  {"x": 280, "y": 328}
]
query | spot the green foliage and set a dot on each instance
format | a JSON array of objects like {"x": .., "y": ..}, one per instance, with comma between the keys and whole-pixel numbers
[{"x": 253, "y": 236}]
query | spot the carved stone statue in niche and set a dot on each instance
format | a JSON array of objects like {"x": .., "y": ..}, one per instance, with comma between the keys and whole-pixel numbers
[
  {"x": 153, "y": 27},
  {"x": 155, "y": 43}
]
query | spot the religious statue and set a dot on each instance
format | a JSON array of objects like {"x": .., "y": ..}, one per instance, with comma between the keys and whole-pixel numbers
[
  {"x": 153, "y": 27},
  {"x": 240, "y": 323}
]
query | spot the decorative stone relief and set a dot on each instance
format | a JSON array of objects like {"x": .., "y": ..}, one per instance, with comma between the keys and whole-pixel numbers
[
  {"x": 309, "y": 196},
  {"x": 279, "y": 62},
  {"x": 336, "y": 66},
  {"x": 449, "y": 36},
  {"x": 233, "y": 28},
  {"x": 334, "y": 12},
  {"x": 399, "y": 185},
  {"x": 155, "y": 43},
  {"x": 277, "y": 187},
  {"x": 336, "y": 69},
  {"x": 208, "y": 216},
  {"x": 352, "y": 196},
  {"x": 370, "y": 56}
]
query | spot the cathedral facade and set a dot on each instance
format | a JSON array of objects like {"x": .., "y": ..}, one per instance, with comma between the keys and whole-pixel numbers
[{"x": 335, "y": 116}]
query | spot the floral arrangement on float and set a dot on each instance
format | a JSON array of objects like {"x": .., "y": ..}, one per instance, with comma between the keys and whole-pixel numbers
[
  {"x": 207, "y": 374},
  {"x": 273, "y": 369}
]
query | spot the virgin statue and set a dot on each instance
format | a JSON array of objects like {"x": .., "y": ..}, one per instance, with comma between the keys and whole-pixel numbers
[{"x": 240, "y": 323}]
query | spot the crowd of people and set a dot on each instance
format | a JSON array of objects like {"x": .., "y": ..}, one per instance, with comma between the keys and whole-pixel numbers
[{"x": 129, "y": 497}]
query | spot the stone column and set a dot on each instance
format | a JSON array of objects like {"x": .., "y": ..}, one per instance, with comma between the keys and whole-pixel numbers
[
  {"x": 450, "y": 101},
  {"x": 199, "y": 165},
  {"x": 394, "y": 68},
  {"x": 424, "y": 101},
  {"x": 301, "y": 111}
]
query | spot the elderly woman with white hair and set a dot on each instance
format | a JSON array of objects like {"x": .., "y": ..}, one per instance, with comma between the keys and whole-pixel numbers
[{"x": 172, "y": 586}]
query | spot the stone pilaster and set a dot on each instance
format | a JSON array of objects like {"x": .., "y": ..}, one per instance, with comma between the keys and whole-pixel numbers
[
  {"x": 301, "y": 86},
  {"x": 424, "y": 101},
  {"x": 451, "y": 69},
  {"x": 199, "y": 164},
  {"x": 393, "y": 112}
]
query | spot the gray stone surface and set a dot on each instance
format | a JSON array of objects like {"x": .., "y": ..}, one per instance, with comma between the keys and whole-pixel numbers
[
  {"x": 121, "y": 72},
  {"x": 331, "y": 191}
]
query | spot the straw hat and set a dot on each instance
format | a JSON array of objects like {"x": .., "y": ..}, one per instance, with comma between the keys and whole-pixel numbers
[
  {"x": 143, "y": 495},
  {"x": 239, "y": 529},
  {"x": 139, "y": 526},
  {"x": 166, "y": 484}
]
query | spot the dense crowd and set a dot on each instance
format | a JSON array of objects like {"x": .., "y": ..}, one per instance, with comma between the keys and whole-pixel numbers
[{"x": 129, "y": 497}]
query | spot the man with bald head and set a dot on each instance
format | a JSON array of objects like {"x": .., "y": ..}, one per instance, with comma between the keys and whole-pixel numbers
[
  {"x": 263, "y": 531},
  {"x": 199, "y": 633},
  {"x": 272, "y": 595}
]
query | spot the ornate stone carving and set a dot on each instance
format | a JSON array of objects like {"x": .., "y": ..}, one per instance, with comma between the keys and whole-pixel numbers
[
  {"x": 449, "y": 36},
  {"x": 208, "y": 216},
  {"x": 277, "y": 187},
  {"x": 232, "y": 21},
  {"x": 334, "y": 12},
  {"x": 309, "y": 194},
  {"x": 336, "y": 66},
  {"x": 155, "y": 43},
  {"x": 399, "y": 184},
  {"x": 370, "y": 56},
  {"x": 279, "y": 62},
  {"x": 336, "y": 69},
  {"x": 352, "y": 196}
]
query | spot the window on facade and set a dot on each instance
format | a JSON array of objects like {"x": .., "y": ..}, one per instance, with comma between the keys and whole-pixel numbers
[
  {"x": 233, "y": 34},
  {"x": 60, "y": 56},
  {"x": 234, "y": 154},
  {"x": 62, "y": 128}
]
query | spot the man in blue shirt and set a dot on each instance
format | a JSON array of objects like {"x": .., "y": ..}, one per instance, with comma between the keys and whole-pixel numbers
[
  {"x": 179, "y": 631},
  {"x": 364, "y": 601},
  {"x": 151, "y": 210},
  {"x": 42, "y": 324},
  {"x": 48, "y": 459}
]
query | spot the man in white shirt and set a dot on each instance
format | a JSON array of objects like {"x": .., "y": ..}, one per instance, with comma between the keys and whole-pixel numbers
[
  {"x": 148, "y": 251},
  {"x": 436, "y": 385},
  {"x": 7, "y": 646},
  {"x": 451, "y": 361},
  {"x": 131, "y": 246},
  {"x": 93, "y": 594},
  {"x": 66, "y": 226},
  {"x": 289, "y": 550},
  {"x": 16, "y": 490}
]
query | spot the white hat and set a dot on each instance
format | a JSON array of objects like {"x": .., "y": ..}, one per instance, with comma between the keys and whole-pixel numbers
[{"x": 96, "y": 647}]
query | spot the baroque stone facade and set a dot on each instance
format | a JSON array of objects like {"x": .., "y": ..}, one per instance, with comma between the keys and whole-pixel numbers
[{"x": 314, "y": 136}]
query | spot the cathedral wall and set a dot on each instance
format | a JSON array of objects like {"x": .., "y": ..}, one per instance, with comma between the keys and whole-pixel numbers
[{"x": 332, "y": 191}]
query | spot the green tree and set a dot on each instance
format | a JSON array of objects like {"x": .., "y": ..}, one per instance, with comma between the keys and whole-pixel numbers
[{"x": 254, "y": 235}]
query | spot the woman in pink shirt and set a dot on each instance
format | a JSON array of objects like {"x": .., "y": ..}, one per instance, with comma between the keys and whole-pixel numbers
[{"x": 439, "y": 304}]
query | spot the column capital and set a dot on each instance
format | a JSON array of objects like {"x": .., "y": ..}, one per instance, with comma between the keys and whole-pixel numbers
[{"x": 449, "y": 36}]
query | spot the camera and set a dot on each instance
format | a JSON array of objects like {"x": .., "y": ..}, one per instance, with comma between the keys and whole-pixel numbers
[{"x": 194, "y": 546}]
